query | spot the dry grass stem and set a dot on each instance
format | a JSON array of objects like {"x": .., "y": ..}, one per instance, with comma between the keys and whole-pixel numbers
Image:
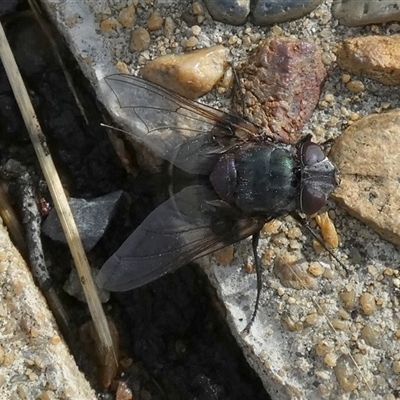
[{"x": 61, "y": 204}]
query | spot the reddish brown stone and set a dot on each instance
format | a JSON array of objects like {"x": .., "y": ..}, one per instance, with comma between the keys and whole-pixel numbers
[{"x": 281, "y": 85}]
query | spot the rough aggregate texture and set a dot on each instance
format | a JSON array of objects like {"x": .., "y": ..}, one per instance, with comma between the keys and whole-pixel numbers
[
  {"x": 367, "y": 155},
  {"x": 34, "y": 360},
  {"x": 377, "y": 57},
  {"x": 280, "y": 85},
  {"x": 291, "y": 345}
]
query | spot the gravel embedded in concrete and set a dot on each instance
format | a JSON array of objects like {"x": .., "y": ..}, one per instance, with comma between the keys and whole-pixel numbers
[
  {"x": 34, "y": 360},
  {"x": 291, "y": 345}
]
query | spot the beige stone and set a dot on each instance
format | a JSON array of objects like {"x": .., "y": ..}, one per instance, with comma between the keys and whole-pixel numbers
[
  {"x": 126, "y": 17},
  {"x": 191, "y": 74},
  {"x": 140, "y": 40},
  {"x": 377, "y": 57},
  {"x": 367, "y": 156}
]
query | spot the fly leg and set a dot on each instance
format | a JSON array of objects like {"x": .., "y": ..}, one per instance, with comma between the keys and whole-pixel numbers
[{"x": 255, "y": 239}]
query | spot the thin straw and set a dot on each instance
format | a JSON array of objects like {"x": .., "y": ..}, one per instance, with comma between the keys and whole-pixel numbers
[{"x": 57, "y": 193}]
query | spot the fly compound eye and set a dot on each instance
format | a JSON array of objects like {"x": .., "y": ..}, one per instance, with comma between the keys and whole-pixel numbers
[
  {"x": 311, "y": 154},
  {"x": 311, "y": 200}
]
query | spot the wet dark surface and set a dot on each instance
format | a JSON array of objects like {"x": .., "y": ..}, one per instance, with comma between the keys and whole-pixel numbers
[{"x": 179, "y": 345}]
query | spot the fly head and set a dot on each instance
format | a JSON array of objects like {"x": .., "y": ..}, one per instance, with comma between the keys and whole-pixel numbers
[{"x": 319, "y": 177}]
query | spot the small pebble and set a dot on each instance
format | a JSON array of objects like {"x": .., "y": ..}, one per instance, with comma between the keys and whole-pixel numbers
[
  {"x": 140, "y": 40},
  {"x": 108, "y": 25},
  {"x": 227, "y": 79},
  {"x": 328, "y": 274},
  {"x": 367, "y": 303},
  {"x": 122, "y": 67},
  {"x": 396, "y": 367},
  {"x": 48, "y": 395},
  {"x": 277, "y": 30},
  {"x": 155, "y": 22},
  {"x": 340, "y": 325},
  {"x": 91, "y": 216},
  {"x": 224, "y": 256},
  {"x": 349, "y": 298},
  {"x": 169, "y": 27},
  {"x": 192, "y": 41},
  {"x": 329, "y": 97},
  {"x": 344, "y": 314},
  {"x": 249, "y": 267},
  {"x": 293, "y": 273},
  {"x": 291, "y": 324},
  {"x": 345, "y": 374},
  {"x": 34, "y": 332},
  {"x": 55, "y": 340},
  {"x": 126, "y": 17},
  {"x": 272, "y": 227},
  {"x": 346, "y": 78},
  {"x": 198, "y": 8},
  {"x": 312, "y": 318},
  {"x": 196, "y": 30},
  {"x": 355, "y": 86},
  {"x": 388, "y": 271},
  {"x": 328, "y": 230},
  {"x": 123, "y": 391},
  {"x": 322, "y": 348},
  {"x": 371, "y": 335},
  {"x": 330, "y": 360},
  {"x": 354, "y": 116},
  {"x": 316, "y": 269}
]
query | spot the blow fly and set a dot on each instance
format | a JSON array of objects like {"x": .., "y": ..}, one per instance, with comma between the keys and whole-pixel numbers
[{"x": 249, "y": 178}]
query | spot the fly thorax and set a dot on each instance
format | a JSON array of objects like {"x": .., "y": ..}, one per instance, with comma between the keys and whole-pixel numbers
[{"x": 259, "y": 180}]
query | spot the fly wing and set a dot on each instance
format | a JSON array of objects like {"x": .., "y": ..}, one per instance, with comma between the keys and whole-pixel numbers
[
  {"x": 175, "y": 233},
  {"x": 165, "y": 121}
]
